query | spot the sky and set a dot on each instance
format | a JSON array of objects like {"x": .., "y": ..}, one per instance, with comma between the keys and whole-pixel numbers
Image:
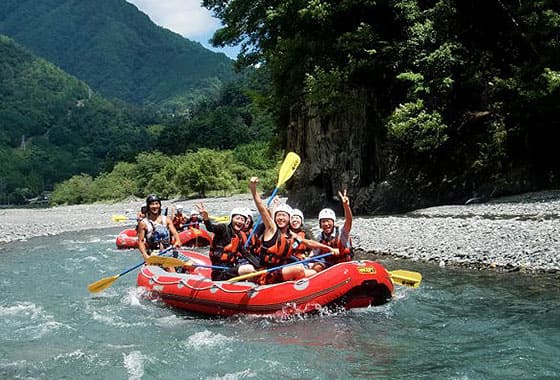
[{"x": 185, "y": 17}]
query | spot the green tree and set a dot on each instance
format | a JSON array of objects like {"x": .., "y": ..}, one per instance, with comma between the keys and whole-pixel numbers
[{"x": 205, "y": 170}]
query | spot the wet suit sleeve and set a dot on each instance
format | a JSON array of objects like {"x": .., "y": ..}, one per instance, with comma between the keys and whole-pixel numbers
[{"x": 209, "y": 226}]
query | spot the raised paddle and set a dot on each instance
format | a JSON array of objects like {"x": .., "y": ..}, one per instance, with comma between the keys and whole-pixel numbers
[
  {"x": 287, "y": 170},
  {"x": 406, "y": 278},
  {"x": 175, "y": 262},
  {"x": 106, "y": 282},
  {"x": 258, "y": 273}
]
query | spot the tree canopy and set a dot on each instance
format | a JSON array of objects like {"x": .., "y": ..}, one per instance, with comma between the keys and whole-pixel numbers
[{"x": 461, "y": 88}]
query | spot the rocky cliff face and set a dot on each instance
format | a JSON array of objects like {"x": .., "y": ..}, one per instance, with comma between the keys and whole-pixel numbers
[
  {"x": 341, "y": 151},
  {"x": 349, "y": 150}
]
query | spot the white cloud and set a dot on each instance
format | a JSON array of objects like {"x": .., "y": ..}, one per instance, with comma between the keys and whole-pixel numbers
[{"x": 186, "y": 17}]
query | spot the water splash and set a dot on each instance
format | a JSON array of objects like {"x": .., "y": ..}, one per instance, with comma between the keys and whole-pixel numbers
[
  {"x": 134, "y": 364},
  {"x": 206, "y": 339}
]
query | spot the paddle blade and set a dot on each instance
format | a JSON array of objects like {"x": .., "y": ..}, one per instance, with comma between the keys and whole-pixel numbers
[
  {"x": 121, "y": 218},
  {"x": 165, "y": 261},
  {"x": 288, "y": 168},
  {"x": 102, "y": 284},
  {"x": 220, "y": 219},
  {"x": 406, "y": 278}
]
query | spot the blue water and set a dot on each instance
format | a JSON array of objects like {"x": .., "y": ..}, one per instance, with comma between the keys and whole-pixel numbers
[{"x": 458, "y": 325}]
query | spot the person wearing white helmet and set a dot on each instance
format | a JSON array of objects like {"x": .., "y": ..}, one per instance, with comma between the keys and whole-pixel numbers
[
  {"x": 249, "y": 221},
  {"x": 179, "y": 219},
  {"x": 227, "y": 247},
  {"x": 334, "y": 236},
  {"x": 296, "y": 226},
  {"x": 277, "y": 240},
  {"x": 296, "y": 222},
  {"x": 195, "y": 219}
]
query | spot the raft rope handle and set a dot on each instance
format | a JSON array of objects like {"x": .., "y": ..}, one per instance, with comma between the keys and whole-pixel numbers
[{"x": 184, "y": 282}]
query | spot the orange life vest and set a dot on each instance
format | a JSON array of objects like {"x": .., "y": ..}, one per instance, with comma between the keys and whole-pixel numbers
[
  {"x": 299, "y": 251},
  {"x": 231, "y": 252},
  {"x": 276, "y": 251},
  {"x": 334, "y": 241}
]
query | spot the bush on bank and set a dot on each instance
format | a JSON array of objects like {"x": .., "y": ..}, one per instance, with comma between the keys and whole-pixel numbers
[{"x": 202, "y": 173}]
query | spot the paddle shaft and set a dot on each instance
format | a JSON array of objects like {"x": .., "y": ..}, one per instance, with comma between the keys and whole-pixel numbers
[
  {"x": 143, "y": 262},
  {"x": 254, "y": 274},
  {"x": 287, "y": 170},
  {"x": 176, "y": 262},
  {"x": 104, "y": 283}
]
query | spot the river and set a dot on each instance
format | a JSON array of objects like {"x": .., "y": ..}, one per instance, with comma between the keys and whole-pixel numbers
[{"x": 459, "y": 324}]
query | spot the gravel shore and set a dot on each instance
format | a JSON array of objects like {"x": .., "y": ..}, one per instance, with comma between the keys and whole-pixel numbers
[{"x": 512, "y": 233}]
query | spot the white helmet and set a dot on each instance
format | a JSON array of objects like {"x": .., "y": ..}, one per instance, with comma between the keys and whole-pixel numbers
[
  {"x": 179, "y": 208},
  {"x": 284, "y": 208},
  {"x": 327, "y": 213},
  {"x": 194, "y": 212},
  {"x": 248, "y": 212},
  {"x": 237, "y": 211},
  {"x": 297, "y": 212}
]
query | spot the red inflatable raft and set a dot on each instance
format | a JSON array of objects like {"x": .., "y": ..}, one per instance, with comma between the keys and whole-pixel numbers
[
  {"x": 195, "y": 237},
  {"x": 191, "y": 237},
  {"x": 349, "y": 285},
  {"x": 127, "y": 239}
]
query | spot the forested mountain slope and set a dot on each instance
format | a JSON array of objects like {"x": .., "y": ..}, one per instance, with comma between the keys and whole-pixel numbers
[
  {"x": 53, "y": 126},
  {"x": 114, "y": 48}
]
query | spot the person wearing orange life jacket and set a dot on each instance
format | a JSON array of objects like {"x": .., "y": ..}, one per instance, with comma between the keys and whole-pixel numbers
[
  {"x": 179, "y": 219},
  {"x": 334, "y": 236},
  {"x": 248, "y": 222},
  {"x": 227, "y": 247},
  {"x": 155, "y": 230},
  {"x": 277, "y": 240},
  {"x": 302, "y": 246},
  {"x": 296, "y": 226},
  {"x": 195, "y": 219}
]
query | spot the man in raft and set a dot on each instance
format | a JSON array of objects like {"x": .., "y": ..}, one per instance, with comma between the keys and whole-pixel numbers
[
  {"x": 155, "y": 230},
  {"x": 334, "y": 236}
]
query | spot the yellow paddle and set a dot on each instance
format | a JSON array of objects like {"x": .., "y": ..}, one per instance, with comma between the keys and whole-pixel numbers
[
  {"x": 406, "y": 278},
  {"x": 168, "y": 262},
  {"x": 121, "y": 218},
  {"x": 124, "y": 218},
  {"x": 106, "y": 282},
  {"x": 287, "y": 170},
  {"x": 220, "y": 219}
]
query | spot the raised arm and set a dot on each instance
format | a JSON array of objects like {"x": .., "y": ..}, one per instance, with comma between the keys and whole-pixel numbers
[
  {"x": 313, "y": 244},
  {"x": 210, "y": 227},
  {"x": 142, "y": 240},
  {"x": 268, "y": 221},
  {"x": 347, "y": 211},
  {"x": 173, "y": 231}
]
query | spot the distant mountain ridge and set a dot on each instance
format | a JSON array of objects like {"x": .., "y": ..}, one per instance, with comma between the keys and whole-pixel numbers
[{"x": 114, "y": 48}]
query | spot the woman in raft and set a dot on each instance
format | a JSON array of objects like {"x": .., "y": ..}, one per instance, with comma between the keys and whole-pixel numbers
[{"x": 278, "y": 242}]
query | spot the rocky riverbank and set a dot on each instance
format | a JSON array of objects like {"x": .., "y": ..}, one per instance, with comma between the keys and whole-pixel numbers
[{"x": 513, "y": 233}]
